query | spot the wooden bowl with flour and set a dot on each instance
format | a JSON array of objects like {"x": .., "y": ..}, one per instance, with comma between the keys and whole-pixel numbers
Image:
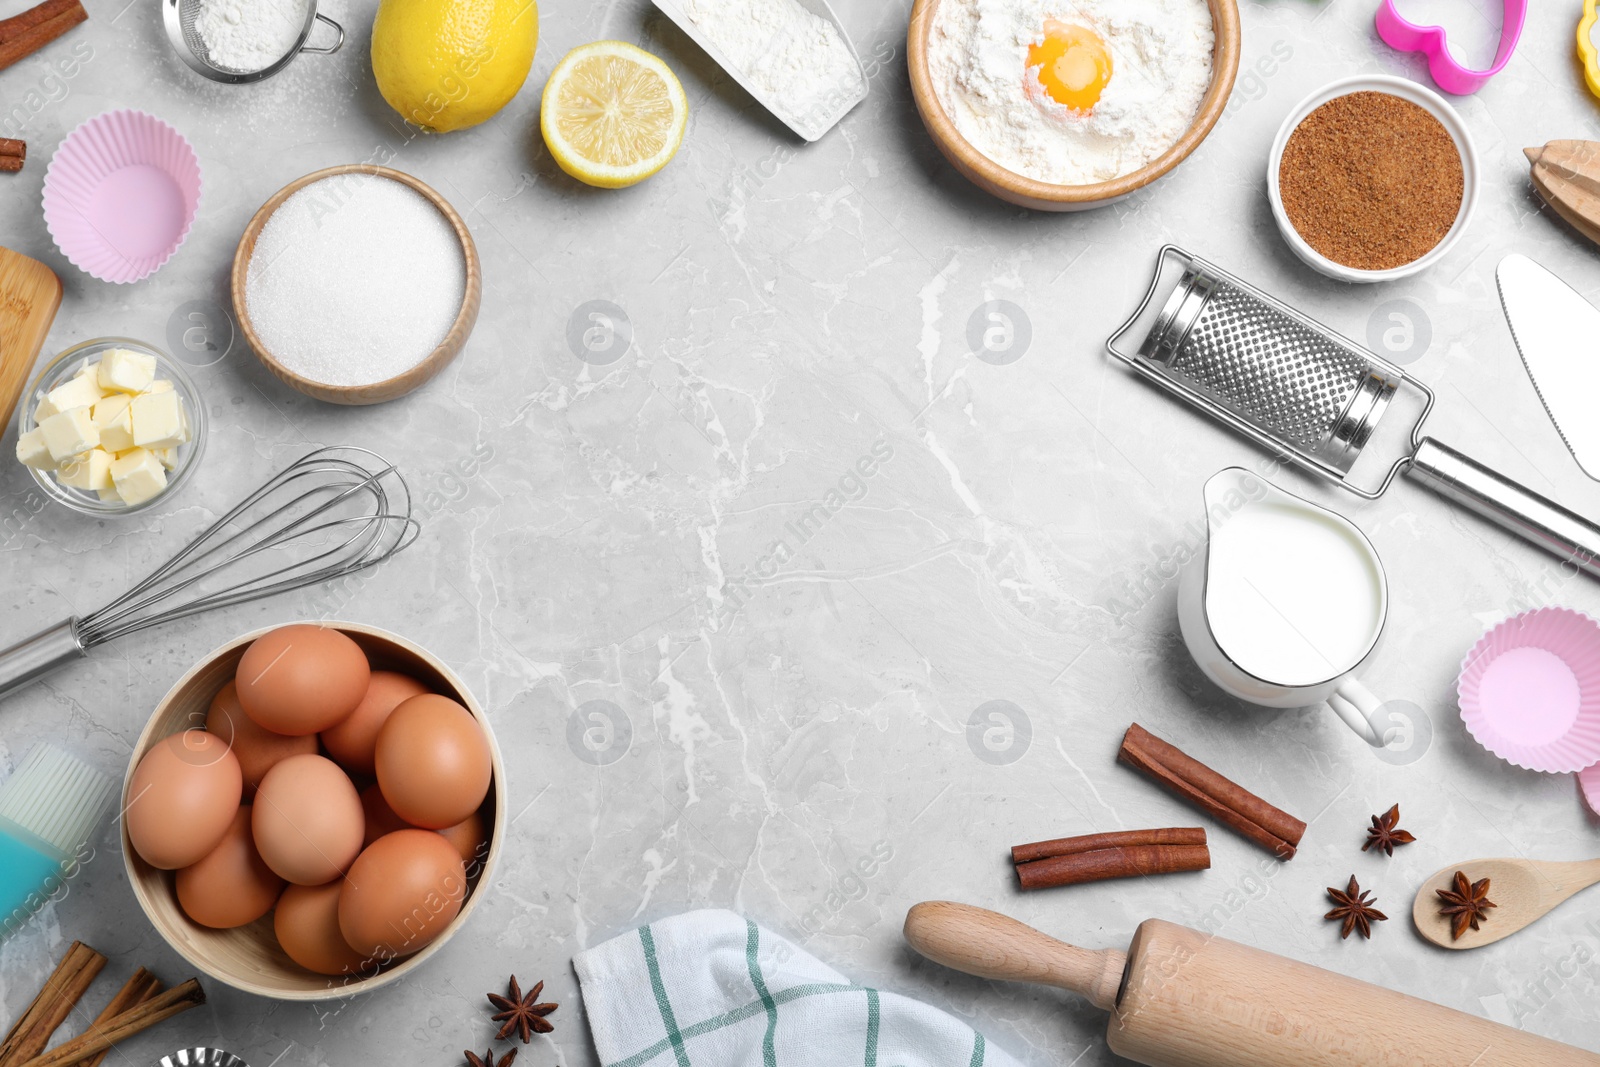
[{"x": 1028, "y": 192}]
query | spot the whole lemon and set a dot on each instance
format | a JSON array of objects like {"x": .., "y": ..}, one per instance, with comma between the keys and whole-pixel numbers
[{"x": 449, "y": 64}]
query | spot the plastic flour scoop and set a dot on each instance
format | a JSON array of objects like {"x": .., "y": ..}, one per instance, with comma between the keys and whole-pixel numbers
[{"x": 834, "y": 105}]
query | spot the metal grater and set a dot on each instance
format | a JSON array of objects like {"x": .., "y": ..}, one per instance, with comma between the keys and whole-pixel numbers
[
  {"x": 1314, "y": 397},
  {"x": 1256, "y": 363}
]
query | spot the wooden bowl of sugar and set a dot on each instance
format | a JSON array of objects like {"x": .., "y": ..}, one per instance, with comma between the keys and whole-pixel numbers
[
  {"x": 346, "y": 276},
  {"x": 1017, "y": 188}
]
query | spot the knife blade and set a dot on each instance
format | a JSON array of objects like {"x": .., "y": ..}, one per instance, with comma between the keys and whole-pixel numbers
[{"x": 1557, "y": 333}]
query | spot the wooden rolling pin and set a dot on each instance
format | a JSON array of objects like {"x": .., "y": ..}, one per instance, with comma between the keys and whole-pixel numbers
[{"x": 1179, "y": 998}]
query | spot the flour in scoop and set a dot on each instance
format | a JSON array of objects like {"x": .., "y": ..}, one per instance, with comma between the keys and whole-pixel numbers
[
  {"x": 798, "y": 60},
  {"x": 250, "y": 35},
  {"x": 355, "y": 279},
  {"x": 1071, "y": 92}
]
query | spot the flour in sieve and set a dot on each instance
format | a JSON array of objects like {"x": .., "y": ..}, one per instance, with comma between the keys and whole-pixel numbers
[
  {"x": 355, "y": 279},
  {"x": 1161, "y": 59},
  {"x": 798, "y": 60},
  {"x": 250, "y": 35}
]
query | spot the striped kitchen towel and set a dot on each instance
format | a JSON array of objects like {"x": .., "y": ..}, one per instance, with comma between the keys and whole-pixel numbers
[{"x": 712, "y": 989}]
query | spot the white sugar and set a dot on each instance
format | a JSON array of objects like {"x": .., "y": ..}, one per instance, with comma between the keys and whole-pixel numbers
[
  {"x": 355, "y": 279},
  {"x": 250, "y": 35}
]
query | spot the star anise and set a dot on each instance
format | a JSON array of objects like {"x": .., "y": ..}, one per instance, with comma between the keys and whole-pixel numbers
[
  {"x": 488, "y": 1058},
  {"x": 1383, "y": 834},
  {"x": 1355, "y": 908},
  {"x": 1465, "y": 906},
  {"x": 522, "y": 1014}
]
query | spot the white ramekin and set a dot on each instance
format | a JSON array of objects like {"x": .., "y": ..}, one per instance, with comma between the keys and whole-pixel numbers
[{"x": 1406, "y": 90}]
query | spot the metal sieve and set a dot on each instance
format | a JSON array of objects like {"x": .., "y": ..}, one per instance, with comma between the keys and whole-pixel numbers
[
  {"x": 1314, "y": 397},
  {"x": 179, "y": 18}
]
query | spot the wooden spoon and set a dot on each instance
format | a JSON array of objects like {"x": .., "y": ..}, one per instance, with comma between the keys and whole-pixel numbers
[{"x": 1522, "y": 890}]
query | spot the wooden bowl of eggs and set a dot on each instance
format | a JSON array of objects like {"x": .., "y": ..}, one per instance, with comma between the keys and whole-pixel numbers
[
  {"x": 1051, "y": 129},
  {"x": 311, "y": 809}
]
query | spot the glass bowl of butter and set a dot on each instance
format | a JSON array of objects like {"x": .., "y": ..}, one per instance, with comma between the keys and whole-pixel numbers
[{"x": 111, "y": 426}]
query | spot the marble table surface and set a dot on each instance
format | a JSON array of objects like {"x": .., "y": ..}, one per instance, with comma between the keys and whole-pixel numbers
[{"x": 941, "y": 658}]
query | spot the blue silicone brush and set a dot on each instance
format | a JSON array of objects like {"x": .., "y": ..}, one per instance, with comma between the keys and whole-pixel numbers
[{"x": 51, "y": 809}]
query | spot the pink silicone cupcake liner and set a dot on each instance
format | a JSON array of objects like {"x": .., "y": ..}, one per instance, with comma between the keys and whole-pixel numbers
[
  {"x": 1530, "y": 690},
  {"x": 120, "y": 195},
  {"x": 1589, "y": 780}
]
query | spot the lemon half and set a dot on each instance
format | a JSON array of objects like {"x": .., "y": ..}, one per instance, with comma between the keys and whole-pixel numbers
[{"x": 612, "y": 114}]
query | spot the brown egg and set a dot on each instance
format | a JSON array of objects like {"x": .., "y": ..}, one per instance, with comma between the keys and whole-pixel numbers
[
  {"x": 181, "y": 798},
  {"x": 307, "y": 925},
  {"x": 301, "y": 679},
  {"x": 230, "y": 886},
  {"x": 257, "y": 749},
  {"x": 352, "y": 741},
  {"x": 380, "y": 817},
  {"x": 307, "y": 822},
  {"x": 469, "y": 839},
  {"x": 467, "y": 836},
  {"x": 401, "y": 893},
  {"x": 433, "y": 762}
]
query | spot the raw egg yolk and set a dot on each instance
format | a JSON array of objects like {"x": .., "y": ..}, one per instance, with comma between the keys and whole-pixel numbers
[{"x": 1074, "y": 64}]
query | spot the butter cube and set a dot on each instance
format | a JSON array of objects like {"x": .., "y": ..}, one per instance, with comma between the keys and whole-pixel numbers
[
  {"x": 79, "y": 392},
  {"x": 110, "y": 406},
  {"x": 157, "y": 420},
  {"x": 33, "y": 452},
  {"x": 160, "y": 385},
  {"x": 44, "y": 410},
  {"x": 115, "y": 424},
  {"x": 167, "y": 456},
  {"x": 69, "y": 433},
  {"x": 125, "y": 371},
  {"x": 110, "y": 496},
  {"x": 138, "y": 476},
  {"x": 92, "y": 471}
]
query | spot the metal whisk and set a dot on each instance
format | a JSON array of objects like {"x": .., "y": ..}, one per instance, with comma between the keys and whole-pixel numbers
[
  {"x": 333, "y": 512},
  {"x": 1302, "y": 391}
]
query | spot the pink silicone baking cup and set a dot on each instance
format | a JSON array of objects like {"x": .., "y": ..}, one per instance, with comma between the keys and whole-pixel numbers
[
  {"x": 1530, "y": 690},
  {"x": 1589, "y": 780},
  {"x": 120, "y": 195}
]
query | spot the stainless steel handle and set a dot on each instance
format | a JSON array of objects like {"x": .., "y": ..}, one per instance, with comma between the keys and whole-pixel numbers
[
  {"x": 29, "y": 660},
  {"x": 329, "y": 49},
  {"x": 1525, "y": 513}
]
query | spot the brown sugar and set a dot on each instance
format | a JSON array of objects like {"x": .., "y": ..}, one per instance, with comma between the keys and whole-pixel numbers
[{"x": 1371, "y": 181}]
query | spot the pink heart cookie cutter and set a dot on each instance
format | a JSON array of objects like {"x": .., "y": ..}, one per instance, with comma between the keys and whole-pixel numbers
[{"x": 1449, "y": 75}]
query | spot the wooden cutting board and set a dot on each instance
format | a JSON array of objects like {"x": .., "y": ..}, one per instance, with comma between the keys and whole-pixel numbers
[{"x": 30, "y": 293}]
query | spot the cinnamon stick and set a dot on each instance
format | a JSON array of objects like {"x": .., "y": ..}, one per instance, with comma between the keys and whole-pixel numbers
[
  {"x": 61, "y": 992},
  {"x": 1123, "y": 862},
  {"x": 138, "y": 989},
  {"x": 34, "y": 16},
  {"x": 133, "y": 1021},
  {"x": 35, "y": 37},
  {"x": 13, "y": 154},
  {"x": 1066, "y": 846},
  {"x": 1226, "y": 801}
]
